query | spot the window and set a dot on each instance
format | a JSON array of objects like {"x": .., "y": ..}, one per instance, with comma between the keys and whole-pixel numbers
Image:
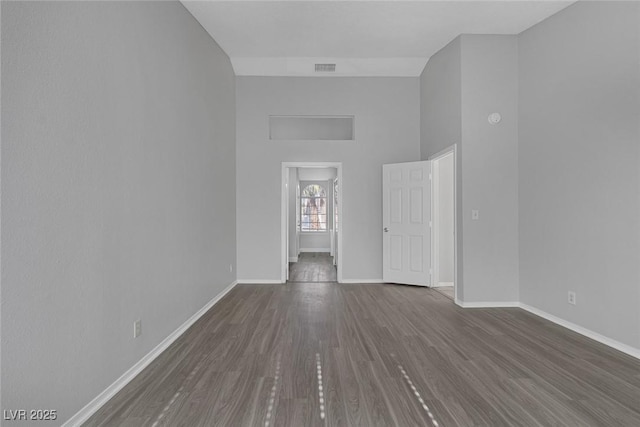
[
  {"x": 313, "y": 208},
  {"x": 311, "y": 128}
]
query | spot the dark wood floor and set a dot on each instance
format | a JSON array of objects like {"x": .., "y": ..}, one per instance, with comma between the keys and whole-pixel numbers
[
  {"x": 447, "y": 291},
  {"x": 313, "y": 267},
  {"x": 385, "y": 355}
]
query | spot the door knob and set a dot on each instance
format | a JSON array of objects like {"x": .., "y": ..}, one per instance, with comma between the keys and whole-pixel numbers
[{"x": 386, "y": 230}]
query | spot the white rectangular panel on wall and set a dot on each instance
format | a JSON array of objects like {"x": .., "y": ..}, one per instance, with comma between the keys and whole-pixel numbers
[
  {"x": 311, "y": 128},
  {"x": 406, "y": 233}
]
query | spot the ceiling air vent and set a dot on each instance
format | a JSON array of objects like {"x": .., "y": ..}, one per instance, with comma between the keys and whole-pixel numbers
[{"x": 325, "y": 68}]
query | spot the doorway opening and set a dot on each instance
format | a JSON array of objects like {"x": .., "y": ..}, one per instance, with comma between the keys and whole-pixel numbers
[
  {"x": 311, "y": 222},
  {"x": 444, "y": 222},
  {"x": 313, "y": 267}
]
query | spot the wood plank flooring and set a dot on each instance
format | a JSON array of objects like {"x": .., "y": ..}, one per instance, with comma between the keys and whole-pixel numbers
[
  {"x": 313, "y": 267},
  {"x": 388, "y": 355},
  {"x": 446, "y": 290}
]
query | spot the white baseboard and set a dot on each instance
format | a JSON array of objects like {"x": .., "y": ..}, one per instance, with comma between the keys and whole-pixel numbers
[
  {"x": 315, "y": 250},
  {"x": 631, "y": 351},
  {"x": 487, "y": 304},
  {"x": 625, "y": 348},
  {"x": 293, "y": 259},
  {"x": 441, "y": 284},
  {"x": 90, "y": 408},
  {"x": 259, "y": 282},
  {"x": 363, "y": 281}
]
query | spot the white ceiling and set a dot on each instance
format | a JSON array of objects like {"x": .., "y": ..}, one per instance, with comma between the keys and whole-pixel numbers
[{"x": 363, "y": 38}]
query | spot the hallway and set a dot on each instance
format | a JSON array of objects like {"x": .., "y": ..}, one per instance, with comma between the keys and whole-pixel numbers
[{"x": 313, "y": 267}]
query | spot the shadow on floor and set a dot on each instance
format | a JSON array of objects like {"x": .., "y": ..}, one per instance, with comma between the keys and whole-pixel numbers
[{"x": 446, "y": 291}]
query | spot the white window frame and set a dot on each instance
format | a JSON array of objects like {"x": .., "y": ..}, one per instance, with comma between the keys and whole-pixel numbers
[{"x": 323, "y": 185}]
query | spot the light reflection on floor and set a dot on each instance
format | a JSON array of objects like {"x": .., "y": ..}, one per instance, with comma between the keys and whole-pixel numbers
[
  {"x": 274, "y": 389},
  {"x": 321, "y": 400},
  {"x": 416, "y": 393},
  {"x": 320, "y": 390}
]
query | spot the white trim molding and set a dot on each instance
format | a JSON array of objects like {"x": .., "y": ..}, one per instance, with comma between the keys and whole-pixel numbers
[
  {"x": 457, "y": 247},
  {"x": 631, "y": 351},
  {"x": 362, "y": 281},
  {"x": 617, "y": 345},
  {"x": 328, "y": 250},
  {"x": 487, "y": 304},
  {"x": 293, "y": 259},
  {"x": 259, "y": 282},
  {"x": 293, "y": 66},
  {"x": 442, "y": 284},
  {"x": 92, "y": 407}
]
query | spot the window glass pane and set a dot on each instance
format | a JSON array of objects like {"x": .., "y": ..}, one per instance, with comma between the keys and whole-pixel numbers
[
  {"x": 313, "y": 208},
  {"x": 314, "y": 190},
  {"x": 311, "y": 128}
]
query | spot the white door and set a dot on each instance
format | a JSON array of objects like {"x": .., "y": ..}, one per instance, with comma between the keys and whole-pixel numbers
[
  {"x": 287, "y": 198},
  {"x": 297, "y": 248},
  {"x": 406, "y": 221}
]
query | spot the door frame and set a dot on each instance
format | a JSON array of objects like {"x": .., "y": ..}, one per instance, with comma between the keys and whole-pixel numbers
[
  {"x": 284, "y": 213},
  {"x": 453, "y": 149}
]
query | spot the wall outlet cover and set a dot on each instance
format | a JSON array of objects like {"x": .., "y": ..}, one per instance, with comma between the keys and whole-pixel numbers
[{"x": 137, "y": 328}]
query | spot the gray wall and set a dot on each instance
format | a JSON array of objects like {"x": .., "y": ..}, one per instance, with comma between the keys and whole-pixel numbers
[
  {"x": 315, "y": 242},
  {"x": 462, "y": 84},
  {"x": 579, "y": 167},
  {"x": 317, "y": 174},
  {"x": 387, "y": 131},
  {"x": 441, "y": 123},
  {"x": 118, "y": 193},
  {"x": 440, "y": 100},
  {"x": 489, "y": 168}
]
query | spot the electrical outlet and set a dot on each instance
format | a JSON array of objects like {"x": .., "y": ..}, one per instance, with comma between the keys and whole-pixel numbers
[
  {"x": 572, "y": 298},
  {"x": 475, "y": 214},
  {"x": 137, "y": 328}
]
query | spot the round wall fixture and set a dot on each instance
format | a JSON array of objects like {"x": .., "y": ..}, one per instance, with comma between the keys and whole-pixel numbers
[{"x": 494, "y": 118}]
